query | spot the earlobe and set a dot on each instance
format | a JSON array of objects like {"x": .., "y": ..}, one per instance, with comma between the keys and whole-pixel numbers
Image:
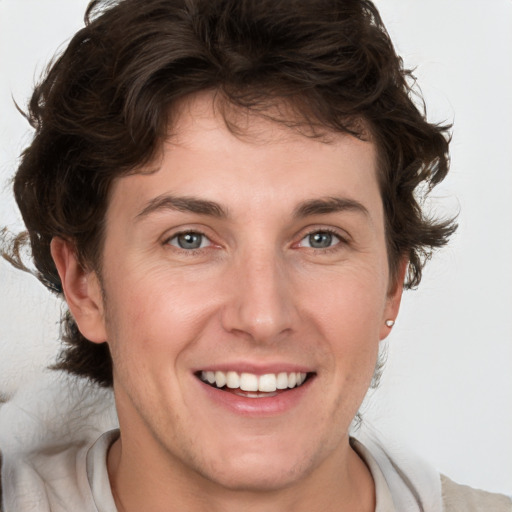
[
  {"x": 82, "y": 290},
  {"x": 393, "y": 300}
]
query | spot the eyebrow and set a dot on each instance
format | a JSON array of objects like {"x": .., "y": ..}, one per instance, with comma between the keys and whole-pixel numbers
[
  {"x": 321, "y": 206},
  {"x": 328, "y": 205},
  {"x": 183, "y": 204}
]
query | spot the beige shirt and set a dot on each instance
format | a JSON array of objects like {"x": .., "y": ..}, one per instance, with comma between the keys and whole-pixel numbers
[
  {"x": 458, "y": 498},
  {"x": 75, "y": 478},
  {"x": 454, "y": 497}
]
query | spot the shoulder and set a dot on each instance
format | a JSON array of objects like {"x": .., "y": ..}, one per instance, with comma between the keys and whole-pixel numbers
[
  {"x": 458, "y": 497},
  {"x": 1, "y": 499},
  {"x": 59, "y": 477},
  {"x": 45, "y": 479}
]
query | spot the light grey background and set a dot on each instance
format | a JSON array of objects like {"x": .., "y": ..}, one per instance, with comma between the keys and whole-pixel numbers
[{"x": 447, "y": 386}]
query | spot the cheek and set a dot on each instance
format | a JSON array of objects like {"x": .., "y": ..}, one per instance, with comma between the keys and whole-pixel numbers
[
  {"x": 349, "y": 316},
  {"x": 350, "y": 305},
  {"x": 157, "y": 312}
]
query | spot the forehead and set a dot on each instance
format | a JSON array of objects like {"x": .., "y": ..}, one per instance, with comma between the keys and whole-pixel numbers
[
  {"x": 249, "y": 160},
  {"x": 277, "y": 121}
]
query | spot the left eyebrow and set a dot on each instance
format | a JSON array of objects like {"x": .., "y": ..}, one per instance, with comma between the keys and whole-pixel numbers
[
  {"x": 182, "y": 204},
  {"x": 328, "y": 205}
]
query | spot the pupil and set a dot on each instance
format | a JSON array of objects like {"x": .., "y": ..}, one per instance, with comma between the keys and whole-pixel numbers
[
  {"x": 320, "y": 240},
  {"x": 189, "y": 240}
]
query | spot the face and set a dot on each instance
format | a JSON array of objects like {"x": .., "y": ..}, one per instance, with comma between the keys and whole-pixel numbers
[{"x": 246, "y": 289}]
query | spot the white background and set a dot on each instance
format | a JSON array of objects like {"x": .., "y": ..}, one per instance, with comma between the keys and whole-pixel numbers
[{"x": 447, "y": 386}]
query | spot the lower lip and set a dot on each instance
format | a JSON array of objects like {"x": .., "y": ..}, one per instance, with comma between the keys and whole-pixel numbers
[{"x": 261, "y": 406}]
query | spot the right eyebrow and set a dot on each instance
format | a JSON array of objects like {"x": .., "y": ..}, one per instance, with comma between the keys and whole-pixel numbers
[{"x": 182, "y": 204}]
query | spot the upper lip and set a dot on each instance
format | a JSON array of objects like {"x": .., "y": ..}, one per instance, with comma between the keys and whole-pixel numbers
[{"x": 255, "y": 368}]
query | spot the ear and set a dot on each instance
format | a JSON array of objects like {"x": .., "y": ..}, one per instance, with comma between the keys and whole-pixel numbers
[
  {"x": 394, "y": 298},
  {"x": 82, "y": 291}
]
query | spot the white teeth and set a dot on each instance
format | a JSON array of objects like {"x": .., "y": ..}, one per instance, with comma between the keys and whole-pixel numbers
[
  {"x": 267, "y": 383},
  {"x": 248, "y": 382},
  {"x": 220, "y": 379},
  {"x": 232, "y": 380},
  {"x": 282, "y": 380}
]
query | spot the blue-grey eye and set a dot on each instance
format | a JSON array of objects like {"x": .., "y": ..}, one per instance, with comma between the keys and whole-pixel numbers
[
  {"x": 189, "y": 241},
  {"x": 320, "y": 240}
]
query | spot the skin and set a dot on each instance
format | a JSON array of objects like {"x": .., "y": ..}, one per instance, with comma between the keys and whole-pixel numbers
[{"x": 255, "y": 293}]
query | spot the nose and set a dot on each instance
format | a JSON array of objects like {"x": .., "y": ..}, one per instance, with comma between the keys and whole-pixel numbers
[{"x": 261, "y": 305}]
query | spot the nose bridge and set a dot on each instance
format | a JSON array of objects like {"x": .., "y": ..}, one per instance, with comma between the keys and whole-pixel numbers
[{"x": 261, "y": 305}]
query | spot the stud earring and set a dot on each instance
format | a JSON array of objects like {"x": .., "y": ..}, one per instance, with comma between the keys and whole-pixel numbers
[{"x": 390, "y": 323}]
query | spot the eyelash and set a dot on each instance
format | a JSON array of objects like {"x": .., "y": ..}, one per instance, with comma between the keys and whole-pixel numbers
[
  {"x": 326, "y": 250},
  {"x": 190, "y": 252}
]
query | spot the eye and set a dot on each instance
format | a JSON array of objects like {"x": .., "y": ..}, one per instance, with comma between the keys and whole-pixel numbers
[
  {"x": 320, "y": 240},
  {"x": 189, "y": 240}
]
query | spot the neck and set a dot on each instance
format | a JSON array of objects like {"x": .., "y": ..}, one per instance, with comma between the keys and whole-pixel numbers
[{"x": 140, "y": 481}]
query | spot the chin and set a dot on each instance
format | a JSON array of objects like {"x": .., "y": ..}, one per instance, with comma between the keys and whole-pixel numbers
[
  {"x": 261, "y": 469},
  {"x": 257, "y": 476}
]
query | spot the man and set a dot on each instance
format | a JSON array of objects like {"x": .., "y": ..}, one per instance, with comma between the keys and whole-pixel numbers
[{"x": 224, "y": 193}]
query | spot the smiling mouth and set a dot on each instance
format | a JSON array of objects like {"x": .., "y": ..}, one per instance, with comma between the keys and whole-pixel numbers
[{"x": 250, "y": 385}]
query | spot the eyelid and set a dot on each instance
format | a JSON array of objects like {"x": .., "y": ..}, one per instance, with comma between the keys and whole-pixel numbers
[
  {"x": 318, "y": 228},
  {"x": 182, "y": 230},
  {"x": 176, "y": 235},
  {"x": 343, "y": 237}
]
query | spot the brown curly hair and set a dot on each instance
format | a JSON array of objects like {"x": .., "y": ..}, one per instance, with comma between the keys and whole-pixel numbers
[{"x": 105, "y": 105}]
